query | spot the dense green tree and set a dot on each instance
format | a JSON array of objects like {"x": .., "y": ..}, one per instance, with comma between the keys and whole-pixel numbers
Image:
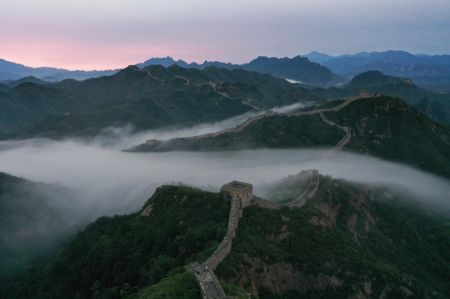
[{"x": 115, "y": 256}]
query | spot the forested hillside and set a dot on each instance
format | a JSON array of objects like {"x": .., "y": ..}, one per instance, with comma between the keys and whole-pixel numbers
[
  {"x": 119, "y": 255},
  {"x": 348, "y": 240},
  {"x": 380, "y": 126},
  {"x": 143, "y": 98}
]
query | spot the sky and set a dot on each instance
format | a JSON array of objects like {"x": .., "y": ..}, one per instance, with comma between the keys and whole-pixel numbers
[{"x": 106, "y": 34}]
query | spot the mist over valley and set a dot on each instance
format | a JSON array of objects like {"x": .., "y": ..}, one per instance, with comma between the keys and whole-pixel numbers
[{"x": 212, "y": 150}]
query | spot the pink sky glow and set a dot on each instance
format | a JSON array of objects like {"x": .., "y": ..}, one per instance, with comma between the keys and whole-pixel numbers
[
  {"x": 76, "y": 55},
  {"x": 109, "y": 34}
]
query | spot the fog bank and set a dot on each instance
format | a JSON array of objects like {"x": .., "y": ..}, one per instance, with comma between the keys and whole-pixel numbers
[
  {"x": 105, "y": 181},
  {"x": 111, "y": 181},
  {"x": 124, "y": 137},
  {"x": 96, "y": 178}
]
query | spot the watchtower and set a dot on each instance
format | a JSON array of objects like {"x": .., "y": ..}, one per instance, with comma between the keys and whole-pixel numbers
[
  {"x": 364, "y": 94},
  {"x": 241, "y": 190}
]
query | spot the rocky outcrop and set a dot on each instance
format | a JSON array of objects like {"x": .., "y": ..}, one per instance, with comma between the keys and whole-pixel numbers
[{"x": 281, "y": 278}]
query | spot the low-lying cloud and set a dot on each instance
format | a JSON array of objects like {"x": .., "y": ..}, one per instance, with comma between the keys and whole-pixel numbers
[
  {"x": 105, "y": 180},
  {"x": 112, "y": 181},
  {"x": 123, "y": 137}
]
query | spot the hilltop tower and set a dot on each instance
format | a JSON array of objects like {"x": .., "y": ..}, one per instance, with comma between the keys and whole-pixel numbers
[
  {"x": 240, "y": 190},
  {"x": 364, "y": 94}
]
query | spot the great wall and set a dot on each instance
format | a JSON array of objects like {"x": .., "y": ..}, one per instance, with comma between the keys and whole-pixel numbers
[
  {"x": 299, "y": 201},
  {"x": 269, "y": 113},
  {"x": 204, "y": 272}
]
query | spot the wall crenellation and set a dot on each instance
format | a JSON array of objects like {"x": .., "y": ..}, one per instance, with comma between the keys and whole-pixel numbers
[{"x": 241, "y": 197}]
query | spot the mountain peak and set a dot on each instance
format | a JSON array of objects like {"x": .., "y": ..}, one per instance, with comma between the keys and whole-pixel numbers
[
  {"x": 371, "y": 78},
  {"x": 164, "y": 61},
  {"x": 27, "y": 79},
  {"x": 297, "y": 68},
  {"x": 318, "y": 57},
  {"x": 129, "y": 69}
]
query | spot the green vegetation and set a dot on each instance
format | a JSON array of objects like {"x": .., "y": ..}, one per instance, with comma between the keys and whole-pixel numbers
[
  {"x": 176, "y": 286},
  {"x": 297, "y": 68},
  {"x": 115, "y": 257},
  {"x": 391, "y": 129},
  {"x": 33, "y": 226},
  {"x": 381, "y": 126},
  {"x": 349, "y": 240},
  {"x": 435, "y": 105},
  {"x": 156, "y": 97},
  {"x": 144, "y": 98},
  {"x": 278, "y": 131},
  {"x": 234, "y": 291},
  {"x": 287, "y": 189},
  {"x": 429, "y": 71}
]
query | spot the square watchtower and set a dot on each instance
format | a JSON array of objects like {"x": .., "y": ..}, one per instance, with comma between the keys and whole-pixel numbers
[{"x": 241, "y": 190}]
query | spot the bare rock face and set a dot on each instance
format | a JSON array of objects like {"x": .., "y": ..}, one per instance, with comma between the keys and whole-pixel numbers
[
  {"x": 281, "y": 278},
  {"x": 147, "y": 211}
]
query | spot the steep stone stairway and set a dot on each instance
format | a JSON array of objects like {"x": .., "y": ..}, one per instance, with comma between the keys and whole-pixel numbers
[{"x": 204, "y": 272}]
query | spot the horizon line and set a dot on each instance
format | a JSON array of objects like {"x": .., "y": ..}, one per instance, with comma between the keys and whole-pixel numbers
[{"x": 200, "y": 61}]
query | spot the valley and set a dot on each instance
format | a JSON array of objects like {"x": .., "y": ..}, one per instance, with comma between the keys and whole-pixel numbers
[
  {"x": 121, "y": 178},
  {"x": 279, "y": 131},
  {"x": 224, "y": 149},
  {"x": 117, "y": 184}
]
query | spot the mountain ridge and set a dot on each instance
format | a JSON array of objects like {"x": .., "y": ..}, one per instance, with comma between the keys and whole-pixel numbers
[
  {"x": 169, "y": 96},
  {"x": 428, "y": 71},
  {"x": 382, "y": 126},
  {"x": 297, "y": 68},
  {"x": 10, "y": 71},
  {"x": 30, "y": 217},
  {"x": 347, "y": 240},
  {"x": 435, "y": 105}
]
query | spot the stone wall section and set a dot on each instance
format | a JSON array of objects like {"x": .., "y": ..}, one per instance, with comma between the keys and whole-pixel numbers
[
  {"x": 204, "y": 272},
  {"x": 309, "y": 192},
  {"x": 225, "y": 246}
]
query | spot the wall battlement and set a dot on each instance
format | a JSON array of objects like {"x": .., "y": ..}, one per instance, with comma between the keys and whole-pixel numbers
[
  {"x": 240, "y": 190},
  {"x": 204, "y": 272},
  {"x": 241, "y": 196}
]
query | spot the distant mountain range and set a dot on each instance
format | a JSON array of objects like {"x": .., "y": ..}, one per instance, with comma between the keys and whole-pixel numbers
[
  {"x": 343, "y": 240},
  {"x": 315, "y": 68},
  {"x": 298, "y": 68},
  {"x": 429, "y": 71},
  {"x": 10, "y": 71},
  {"x": 157, "y": 96},
  {"x": 436, "y": 105}
]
